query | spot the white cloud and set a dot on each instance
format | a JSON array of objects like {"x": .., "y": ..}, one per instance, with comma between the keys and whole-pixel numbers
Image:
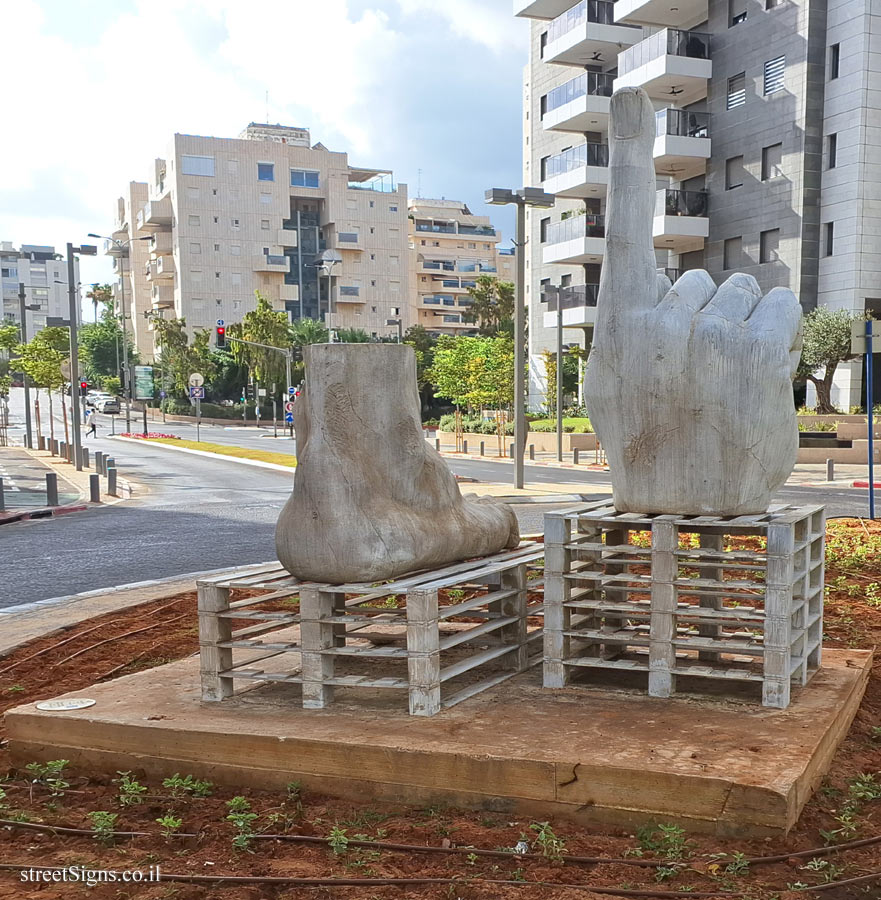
[{"x": 487, "y": 22}]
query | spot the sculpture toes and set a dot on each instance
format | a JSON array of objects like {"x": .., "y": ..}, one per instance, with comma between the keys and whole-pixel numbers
[
  {"x": 692, "y": 291},
  {"x": 736, "y": 298},
  {"x": 779, "y": 314}
]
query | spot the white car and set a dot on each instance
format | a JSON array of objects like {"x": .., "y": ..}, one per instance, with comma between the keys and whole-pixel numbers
[{"x": 107, "y": 403}]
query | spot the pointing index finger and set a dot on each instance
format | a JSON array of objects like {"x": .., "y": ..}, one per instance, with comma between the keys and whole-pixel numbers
[{"x": 628, "y": 277}]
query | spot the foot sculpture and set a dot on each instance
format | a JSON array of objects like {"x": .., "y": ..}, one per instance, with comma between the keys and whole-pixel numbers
[
  {"x": 372, "y": 500},
  {"x": 689, "y": 387}
]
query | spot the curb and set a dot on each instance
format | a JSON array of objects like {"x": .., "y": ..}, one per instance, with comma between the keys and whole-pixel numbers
[
  {"x": 41, "y": 512},
  {"x": 865, "y": 484},
  {"x": 237, "y": 459}
]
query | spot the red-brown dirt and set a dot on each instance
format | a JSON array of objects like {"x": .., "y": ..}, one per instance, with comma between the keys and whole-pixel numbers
[{"x": 125, "y": 642}]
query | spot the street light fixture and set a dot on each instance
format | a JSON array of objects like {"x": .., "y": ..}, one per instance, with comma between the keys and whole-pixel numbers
[
  {"x": 521, "y": 198},
  {"x": 127, "y": 387},
  {"x": 73, "y": 296}
]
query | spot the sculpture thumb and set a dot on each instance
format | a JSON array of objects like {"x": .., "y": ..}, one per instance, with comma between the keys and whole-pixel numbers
[{"x": 628, "y": 278}]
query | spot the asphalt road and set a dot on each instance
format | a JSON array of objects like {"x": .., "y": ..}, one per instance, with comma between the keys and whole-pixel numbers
[{"x": 199, "y": 513}]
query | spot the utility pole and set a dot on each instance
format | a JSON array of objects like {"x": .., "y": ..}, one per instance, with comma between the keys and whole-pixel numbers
[
  {"x": 73, "y": 311},
  {"x": 23, "y": 308}
]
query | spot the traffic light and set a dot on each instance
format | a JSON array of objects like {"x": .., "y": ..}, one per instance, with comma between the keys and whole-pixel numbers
[
  {"x": 84, "y": 386},
  {"x": 220, "y": 332}
]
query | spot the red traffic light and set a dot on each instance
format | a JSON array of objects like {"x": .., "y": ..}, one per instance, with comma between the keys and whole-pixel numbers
[
  {"x": 84, "y": 385},
  {"x": 220, "y": 337},
  {"x": 221, "y": 331}
]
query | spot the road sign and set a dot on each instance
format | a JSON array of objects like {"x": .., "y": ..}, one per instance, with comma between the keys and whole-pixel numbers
[
  {"x": 858, "y": 336},
  {"x": 289, "y": 407},
  {"x": 220, "y": 323},
  {"x": 291, "y": 391},
  {"x": 197, "y": 393},
  {"x": 162, "y": 394},
  {"x": 289, "y": 418},
  {"x": 65, "y": 368},
  {"x": 196, "y": 380}
]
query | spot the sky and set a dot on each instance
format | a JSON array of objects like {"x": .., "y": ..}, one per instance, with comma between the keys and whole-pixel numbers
[{"x": 95, "y": 88}]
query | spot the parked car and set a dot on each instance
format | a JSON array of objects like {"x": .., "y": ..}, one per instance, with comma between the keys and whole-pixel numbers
[
  {"x": 107, "y": 404},
  {"x": 92, "y": 396}
]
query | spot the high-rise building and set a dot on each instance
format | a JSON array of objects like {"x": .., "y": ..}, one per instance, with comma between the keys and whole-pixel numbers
[
  {"x": 43, "y": 272},
  {"x": 266, "y": 212},
  {"x": 767, "y": 115},
  {"x": 449, "y": 248}
]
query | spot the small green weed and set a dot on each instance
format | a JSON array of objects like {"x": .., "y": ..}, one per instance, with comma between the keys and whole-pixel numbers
[
  {"x": 131, "y": 791},
  {"x": 242, "y": 819},
  {"x": 50, "y": 775},
  {"x": 187, "y": 787},
  {"x": 169, "y": 824},
  {"x": 103, "y": 824},
  {"x": 551, "y": 846},
  {"x": 338, "y": 840}
]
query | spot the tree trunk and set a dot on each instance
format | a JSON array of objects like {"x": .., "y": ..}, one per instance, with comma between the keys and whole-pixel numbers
[
  {"x": 824, "y": 392},
  {"x": 51, "y": 417}
]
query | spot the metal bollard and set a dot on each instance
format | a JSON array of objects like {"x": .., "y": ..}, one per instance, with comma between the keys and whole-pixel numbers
[
  {"x": 86, "y": 458},
  {"x": 464, "y": 446},
  {"x": 51, "y": 489},
  {"x": 53, "y": 446},
  {"x": 532, "y": 451},
  {"x": 95, "y": 488},
  {"x": 62, "y": 450},
  {"x": 41, "y": 442},
  {"x": 2, "y": 501},
  {"x": 109, "y": 463},
  {"x": 575, "y": 456},
  {"x": 482, "y": 448},
  {"x": 111, "y": 481},
  {"x": 830, "y": 470},
  {"x": 511, "y": 448},
  {"x": 99, "y": 458},
  {"x": 437, "y": 444}
]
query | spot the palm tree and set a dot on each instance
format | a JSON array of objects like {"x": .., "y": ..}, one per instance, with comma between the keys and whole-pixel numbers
[
  {"x": 100, "y": 293},
  {"x": 308, "y": 331},
  {"x": 353, "y": 336}
]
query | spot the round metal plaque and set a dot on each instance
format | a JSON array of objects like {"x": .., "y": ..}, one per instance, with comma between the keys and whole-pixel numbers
[{"x": 71, "y": 703}]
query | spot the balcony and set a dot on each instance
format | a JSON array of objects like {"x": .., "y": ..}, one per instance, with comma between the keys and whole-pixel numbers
[
  {"x": 670, "y": 65},
  {"x": 659, "y": 12},
  {"x": 160, "y": 244},
  {"x": 164, "y": 267},
  {"x": 540, "y": 9},
  {"x": 349, "y": 294},
  {"x": 436, "y": 227},
  {"x": 111, "y": 249},
  {"x": 588, "y": 34},
  {"x": 579, "y": 305},
  {"x": 581, "y": 104},
  {"x": 349, "y": 240},
  {"x": 479, "y": 230},
  {"x": 269, "y": 263},
  {"x": 155, "y": 214},
  {"x": 682, "y": 145},
  {"x": 162, "y": 296},
  {"x": 680, "y": 222},
  {"x": 579, "y": 172},
  {"x": 437, "y": 265},
  {"x": 289, "y": 293},
  {"x": 575, "y": 241},
  {"x": 286, "y": 238}
]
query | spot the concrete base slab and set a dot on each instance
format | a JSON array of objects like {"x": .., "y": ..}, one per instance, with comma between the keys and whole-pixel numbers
[{"x": 602, "y": 756}]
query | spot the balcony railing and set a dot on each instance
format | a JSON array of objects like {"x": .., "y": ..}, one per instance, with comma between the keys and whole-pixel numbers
[
  {"x": 276, "y": 260},
  {"x": 589, "y": 154},
  {"x": 670, "y": 41},
  {"x": 347, "y": 290},
  {"x": 572, "y": 297},
  {"x": 348, "y": 237},
  {"x": 576, "y": 227},
  {"x": 437, "y": 229},
  {"x": 682, "y": 122},
  {"x": 684, "y": 203},
  {"x": 439, "y": 266},
  {"x": 381, "y": 187},
  {"x": 595, "y": 84},
  {"x": 485, "y": 230},
  {"x": 602, "y": 12},
  {"x": 476, "y": 267}
]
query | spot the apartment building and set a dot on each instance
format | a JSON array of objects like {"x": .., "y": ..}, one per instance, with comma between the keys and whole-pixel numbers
[
  {"x": 768, "y": 120},
  {"x": 449, "y": 248},
  {"x": 267, "y": 211},
  {"x": 43, "y": 272}
]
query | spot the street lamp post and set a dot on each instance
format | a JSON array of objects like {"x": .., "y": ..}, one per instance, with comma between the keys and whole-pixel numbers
[
  {"x": 23, "y": 307},
  {"x": 522, "y": 198},
  {"x": 73, "y": 311},
  {"x": 127, "y": 386}
]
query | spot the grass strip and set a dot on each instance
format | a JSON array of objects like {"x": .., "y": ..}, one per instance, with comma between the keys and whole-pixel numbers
[{"x": 280, "y": 459}]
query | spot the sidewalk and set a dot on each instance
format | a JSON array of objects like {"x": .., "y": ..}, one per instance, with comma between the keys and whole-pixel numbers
[{"x": 24, "y": 480}]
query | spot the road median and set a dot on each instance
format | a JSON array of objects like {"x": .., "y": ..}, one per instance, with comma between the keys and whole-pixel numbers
[{"x": 281, "y": 462}]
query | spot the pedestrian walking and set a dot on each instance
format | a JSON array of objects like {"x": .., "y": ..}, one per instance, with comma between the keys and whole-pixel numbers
[{"x": 93, "y": 424}]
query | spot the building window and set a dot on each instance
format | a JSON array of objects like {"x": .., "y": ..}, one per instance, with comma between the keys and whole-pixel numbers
[
  {"x": 834, "y": 60},
  {"x": 774, "y": 70},
  {"x": 304, "y": 178},
  {"x": 265, "y": 172},
  {"x": 216, "y": 220},
  {"x": 769, "y": 243},
  {"x": 772, "y": 159},
  {"x": 264, "y": 224},
  {"x": 235, "y": 249},
  {"x": 733, "y": 172},
  {"x": 736, "y": 12},
  {"x": 543, "y": 230},
  {"x": 393, "y": 209},
  {"x": 194, "y": 220},
  {"x": 192, "y": 193},
  {"x": 265, "y": 198},
  {"x": 195, "y": 248},
  {"x": 737, "y": 90},
  {"x": 829, "y": 238},
  {"x": 372, "y": 204},
  {"x": 195, "y": 274},
  {"x": 197, "y": 165},
  {"x": 831, "y": 151},
  {"x": 234, "y": 223},
  {"x": 771, "y": 4},
  {"x": 216, "y": 246},
  {"x": 732, "y": 253}
]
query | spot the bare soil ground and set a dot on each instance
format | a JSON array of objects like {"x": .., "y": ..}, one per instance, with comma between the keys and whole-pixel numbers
[{"x": 846, "y": 809}]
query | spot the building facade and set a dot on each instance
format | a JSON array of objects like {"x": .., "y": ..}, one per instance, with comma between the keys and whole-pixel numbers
[
  {"x": 449, "y": 248},
  {"x": 768, "y": 121},
  {"x": 266, "y": 212},
  {"x": 43, "y": 272}
]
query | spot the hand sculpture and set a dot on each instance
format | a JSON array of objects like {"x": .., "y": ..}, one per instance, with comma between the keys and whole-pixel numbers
[
  {"x": 689, "y": 387},
  {"x": 371, "y": 498}
]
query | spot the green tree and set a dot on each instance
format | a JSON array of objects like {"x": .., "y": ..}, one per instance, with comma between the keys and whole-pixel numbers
[
  {"x": 101, "y": 294},
  {"x": 101, "y": 347},
  {"x": 41, "y": 360},
  {"x": 492, "y": 306},
  {"x": 308, "y": 331},
  {"x": 263, "y": 325},
  {"x": 353, "y": 336},
  {"x": 180, "y": 357},
  {"x": 423, "y": 345},
  {"x": 9, "y": 339},
  {"x": 826, "y": 344}
]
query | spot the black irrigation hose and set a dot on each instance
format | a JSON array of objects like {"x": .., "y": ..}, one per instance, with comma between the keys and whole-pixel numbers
[{"x": 499, "y": 854}]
